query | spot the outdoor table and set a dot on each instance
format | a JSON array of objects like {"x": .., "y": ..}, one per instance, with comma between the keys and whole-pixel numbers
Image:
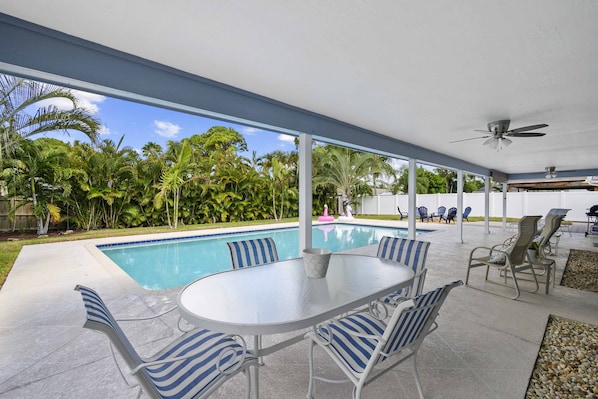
[{"x": 279, "y": 297}]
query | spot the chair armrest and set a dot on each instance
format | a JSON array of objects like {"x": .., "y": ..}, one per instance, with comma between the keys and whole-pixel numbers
[
  {"x": 489, "y": 249},
  {"x": 379, "y": 309},
  {"x": 149, "y": 317},
  {"x": 180, "y": 328}
]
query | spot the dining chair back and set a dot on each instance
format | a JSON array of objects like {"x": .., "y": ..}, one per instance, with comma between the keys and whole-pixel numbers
[
  {"x": 411, "y": 253},
  {"x": 258, "y": 251}
]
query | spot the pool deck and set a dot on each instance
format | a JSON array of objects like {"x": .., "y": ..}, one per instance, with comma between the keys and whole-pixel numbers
[{"x": 485, "y": 346}]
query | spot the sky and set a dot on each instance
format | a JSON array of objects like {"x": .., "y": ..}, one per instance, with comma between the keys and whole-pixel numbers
[{"x": 140, "y": 124}]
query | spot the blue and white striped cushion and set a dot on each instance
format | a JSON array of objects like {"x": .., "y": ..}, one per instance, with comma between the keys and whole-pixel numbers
[
  {"x": 354, "y": 351},
  {"x": 411, "y": 253},
  {"x": 252, "y": 252},
  {"x": 192, "y": 377}
]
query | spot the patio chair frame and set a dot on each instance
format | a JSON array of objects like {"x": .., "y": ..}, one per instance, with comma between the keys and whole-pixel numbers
[
  {"x": 516, "y": 257},
  {"x": 360, "y": 343},
  {"x": 198, "y": 354}
]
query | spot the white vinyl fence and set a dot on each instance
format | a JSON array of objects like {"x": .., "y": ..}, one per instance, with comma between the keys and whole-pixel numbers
[{"x": 518, "y": 203}]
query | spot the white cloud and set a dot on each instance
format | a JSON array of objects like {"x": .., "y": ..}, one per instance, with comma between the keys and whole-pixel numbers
[
  {"x": 166, "y": 129},
  {"x": 250, "y": 131},
  {"x": 104, "y": 131},
  {"x": 88, "y": 101},
  {"x": 286, "y": 138}
]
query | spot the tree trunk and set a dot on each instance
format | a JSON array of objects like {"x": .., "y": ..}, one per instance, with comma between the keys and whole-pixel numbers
[{"x": 177, "y": 193}]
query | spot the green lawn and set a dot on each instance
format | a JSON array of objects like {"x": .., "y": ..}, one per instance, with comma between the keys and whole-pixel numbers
[{"x": 9, "y": 250}]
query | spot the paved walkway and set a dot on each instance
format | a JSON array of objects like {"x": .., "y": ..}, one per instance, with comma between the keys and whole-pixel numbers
[{"x": 485, "y": 347}]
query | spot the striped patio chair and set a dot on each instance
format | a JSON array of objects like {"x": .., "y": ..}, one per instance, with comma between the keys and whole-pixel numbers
[
  {"x": 192, "y": 366},
  {"x": 411, "y": 253},
  {"x": 361, "y": 343},
  {"x": 254, "y": 252}
]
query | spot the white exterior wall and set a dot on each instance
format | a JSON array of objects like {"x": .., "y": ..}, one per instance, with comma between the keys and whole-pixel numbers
[{"x": 518, "y": 203}]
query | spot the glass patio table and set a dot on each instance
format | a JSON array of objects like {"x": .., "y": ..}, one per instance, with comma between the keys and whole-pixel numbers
[{"x": 279, "y": 297}]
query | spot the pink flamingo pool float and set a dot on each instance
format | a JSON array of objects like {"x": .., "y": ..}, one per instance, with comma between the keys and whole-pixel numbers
[{"x": 325, "y": 218}]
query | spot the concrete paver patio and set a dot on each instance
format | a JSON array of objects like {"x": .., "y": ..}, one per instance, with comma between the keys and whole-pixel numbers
[{"x": 485, "y": 347}]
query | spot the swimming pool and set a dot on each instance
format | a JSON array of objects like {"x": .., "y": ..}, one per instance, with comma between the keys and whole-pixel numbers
[{"x": 169, "y": 263}]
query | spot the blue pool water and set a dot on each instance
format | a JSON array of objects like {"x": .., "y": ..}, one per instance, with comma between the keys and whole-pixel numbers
[{"x": 169, "y": 263}]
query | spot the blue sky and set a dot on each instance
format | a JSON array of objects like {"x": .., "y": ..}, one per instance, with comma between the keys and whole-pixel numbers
[{"x": 142, "y": 123}]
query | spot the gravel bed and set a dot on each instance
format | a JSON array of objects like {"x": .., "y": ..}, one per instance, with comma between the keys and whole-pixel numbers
[
  {"x": 567, "y": 365},
  {"x": 581, "y": 271}
]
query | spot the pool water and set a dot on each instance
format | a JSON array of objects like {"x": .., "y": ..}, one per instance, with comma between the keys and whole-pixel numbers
[{"x": 162, "y": 264}]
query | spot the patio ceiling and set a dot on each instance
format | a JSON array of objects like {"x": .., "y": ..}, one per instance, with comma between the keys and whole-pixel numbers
[{"x": 422, "y": 74}]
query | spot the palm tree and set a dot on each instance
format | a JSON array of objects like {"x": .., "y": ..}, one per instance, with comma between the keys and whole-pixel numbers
[
  {"x": 172, "y": 179},
  {"x": 347, "y": 170},
  {"x": 41, "y": 175},
  {"x": 22, "y": 114}
]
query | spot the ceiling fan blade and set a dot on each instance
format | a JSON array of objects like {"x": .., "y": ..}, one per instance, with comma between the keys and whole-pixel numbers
[
  {"x": 524, "y": 134},
  {"x": 492, "y": 141},
  {"x": 482, "y": 131},
  {"x": 472, "y": 138},
  {"x": 527, "y": 128}
]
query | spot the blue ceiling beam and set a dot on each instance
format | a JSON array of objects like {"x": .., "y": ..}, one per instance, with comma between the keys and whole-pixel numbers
[{"x": 48, "y": 55}]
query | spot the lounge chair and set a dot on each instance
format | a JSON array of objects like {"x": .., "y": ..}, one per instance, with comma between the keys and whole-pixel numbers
[
  {"x": 466, "y": 213},
  {"x": 403, "y": 214},
  {"x": 422, "y": 211},
  {"x": 510, "y": 257},
  {"x": 411, "y": 253},
  {"x": 542, "y": 241},
  {"x": 360, "y": 344},
  {"x": 554, "y": 242},
  {"x": 439, "y": 213},
  {"x": 193, "y": 366},
  {"x": 259, "y": 251},
  {"x": 451, "y": 215},
  {"x": 544, "y": 266}
]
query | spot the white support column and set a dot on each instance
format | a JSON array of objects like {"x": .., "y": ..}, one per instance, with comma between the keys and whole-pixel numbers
[
  {"x": 305, "y": 192},
  {"x": 504, "y": 205},
  {"x": 411, "y": 195},
  {"x": 460, "y": 204},
  {"x": 487, "y": 204}
]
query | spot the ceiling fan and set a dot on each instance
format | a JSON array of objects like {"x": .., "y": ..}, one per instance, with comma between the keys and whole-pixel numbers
[{"x": 499, "y": 131}]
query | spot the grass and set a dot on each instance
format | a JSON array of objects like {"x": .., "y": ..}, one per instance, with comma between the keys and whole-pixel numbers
[{"x": 9, "y": 250}]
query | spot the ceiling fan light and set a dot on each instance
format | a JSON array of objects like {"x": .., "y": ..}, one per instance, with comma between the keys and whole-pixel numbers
[
  {"x": 492, "y": 143},
  {"x": 506, "y": 142}
]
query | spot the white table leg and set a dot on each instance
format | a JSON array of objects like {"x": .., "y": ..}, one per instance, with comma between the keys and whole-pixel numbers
[{"x": 255, "y": 376}]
